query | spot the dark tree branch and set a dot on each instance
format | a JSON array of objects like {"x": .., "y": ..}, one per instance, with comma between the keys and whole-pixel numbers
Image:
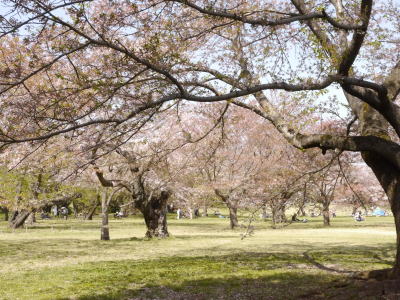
[
  {"x": 350, "y": 54},
  {"x": 241, "y": 17},
  {"x": 392, "y": 82},
  {"x": 104, "y": 182}
]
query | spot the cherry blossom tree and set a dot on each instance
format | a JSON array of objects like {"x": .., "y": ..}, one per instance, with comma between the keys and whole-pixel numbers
[
  {"x": 116, "y": 63},
  {"x": 32, "y": 180}
]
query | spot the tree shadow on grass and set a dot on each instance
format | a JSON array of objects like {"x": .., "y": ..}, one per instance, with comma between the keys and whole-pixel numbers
[
  {"x": 238, "y": 276},
  {"x": 246, "y": 275},
  {"x": 202, "y": 225},
  {"x": 285, "y": 285},
  {"x": 280, "y": 285}
]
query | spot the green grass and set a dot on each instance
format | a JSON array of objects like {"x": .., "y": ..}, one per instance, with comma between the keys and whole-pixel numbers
[{"x": 203, "y": 259}]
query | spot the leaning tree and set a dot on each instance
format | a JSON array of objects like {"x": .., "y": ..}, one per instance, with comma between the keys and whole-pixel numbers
[{"x": 151, "y": 54}]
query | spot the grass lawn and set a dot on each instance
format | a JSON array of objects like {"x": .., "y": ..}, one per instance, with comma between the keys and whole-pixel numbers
[{"x": 203, "y": 259}]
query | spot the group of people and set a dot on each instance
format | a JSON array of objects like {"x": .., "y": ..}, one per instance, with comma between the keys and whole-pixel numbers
[
  {"x": 63, "y": 212},
  {"x": 180, "y": 214},
  {"x": 295, "y": 219}
]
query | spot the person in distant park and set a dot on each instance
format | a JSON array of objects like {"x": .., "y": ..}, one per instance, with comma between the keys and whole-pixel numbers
[
  {"x": 64, "y": 212},
  {"x": 178, "y": 213},
  {"x": 44, "y": 216},
  {"x": 118, "y": 215},
  {"x": 358, "y": 216},
  {"x": 333, "y": 214},
  {"x": 170, "y": 208},
  {"x": 295, "y": 219},
  {"x": 196, "y": 212}
]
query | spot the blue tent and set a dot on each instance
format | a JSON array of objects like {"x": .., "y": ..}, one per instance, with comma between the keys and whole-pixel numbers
[{"x": 378, "y": 212}]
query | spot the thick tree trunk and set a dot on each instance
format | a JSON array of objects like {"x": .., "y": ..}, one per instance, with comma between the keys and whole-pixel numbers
[
  {"x": 278, "y": 215},
  {"x": 233, "y": 217},
  {"x": 371, "y": 123},
  {"x": 104, "y": 232},
  {"x": 5, "y": 211},
  {"x": 389, "y": 178},
  {"x": 396, "y": 268},
  {"x": 155, "y": 215},
  {"x": 152, "y": 205},
  {"x": 275, "y": 218},
  {"x": 390, "y": 181},
  {"x": 325, "y": 214},
  {"x": 31, "y": 218},
  {"x": 19, "y": 218}
]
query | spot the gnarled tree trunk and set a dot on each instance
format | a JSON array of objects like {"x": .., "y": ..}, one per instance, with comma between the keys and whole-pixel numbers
[
  {"x": 278, "y": 208},
  {"x": 278, "y": 215},
  {"x": 373, "y": 124},
  {"x": 154, "y": 211},
  {"x": 18, "y": 218},
  {"x": 153, "y": 204},
  {"x": 389, "y": 178}
]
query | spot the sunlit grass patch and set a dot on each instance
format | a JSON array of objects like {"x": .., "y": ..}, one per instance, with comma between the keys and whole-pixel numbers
[{"x": 203, "y": 259}]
